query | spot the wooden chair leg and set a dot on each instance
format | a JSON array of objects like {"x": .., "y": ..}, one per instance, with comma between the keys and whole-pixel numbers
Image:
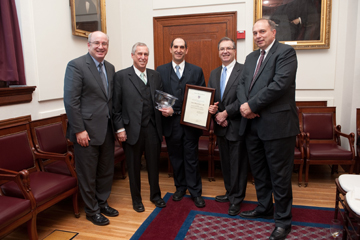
[
  {"x": 306, "y": 174},
  {"x": 32, "y": 229},
  {"x": 170, "y": 169},
  {"x": 300, "y": 174},
  {"x": 75, "y": 204}
]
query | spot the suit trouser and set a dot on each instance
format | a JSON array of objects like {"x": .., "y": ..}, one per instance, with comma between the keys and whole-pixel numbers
[
  {"x": 183, "y": 154},
  {"x": 271, "y": 164},
  {"x": 95, "y": 171},
  {"x": 234, "y": 166},
  {"x": 150, "y": 143}
]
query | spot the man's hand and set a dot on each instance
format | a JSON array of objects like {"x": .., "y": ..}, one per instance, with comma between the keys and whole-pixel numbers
[
  {"x": 122, "y": 136},
  {"x": 224, "y": 123},
  {"x": 83, "y": 138},
  {"x": 296, "y": 21},
  {"x": 246, "y": 112},
  {"x": 213, "y": 108},
  {"x": 167, "y": 112},
  {"x": 221, "y": 117}
]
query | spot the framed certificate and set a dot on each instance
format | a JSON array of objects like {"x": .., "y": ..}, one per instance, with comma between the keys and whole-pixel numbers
[{"x": 195, "y": 109}]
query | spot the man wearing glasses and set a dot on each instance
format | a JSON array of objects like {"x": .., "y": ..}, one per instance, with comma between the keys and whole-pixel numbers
[
  {"x": 227, "y": 117},
  {"x": 88, "y": 103}
]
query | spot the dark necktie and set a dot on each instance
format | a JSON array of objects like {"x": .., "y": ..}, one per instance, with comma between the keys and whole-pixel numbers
[
  {"x": 103, "y": 78},
  {"x": 223, "y": 82},
  {"x": 257, "y": 69}
]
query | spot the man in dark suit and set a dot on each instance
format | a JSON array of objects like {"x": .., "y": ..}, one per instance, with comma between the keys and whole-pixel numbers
[
  {"x": 88, "y": 103},
  {"x": 138, "y": 123},
  {"x": 182, "y": 141},
  {"x": 227, "y": 117},
  {"x": 270, "y": 123}
]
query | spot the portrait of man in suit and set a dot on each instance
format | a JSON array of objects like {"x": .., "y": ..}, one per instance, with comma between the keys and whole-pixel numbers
[
  {"x": 88, "y": 103},
  {"x": 270, "y": 123},
  {"x": 182, "y": 141},
  {"x": 226, "y": 115},
  {"x": 138, "y": 123}
]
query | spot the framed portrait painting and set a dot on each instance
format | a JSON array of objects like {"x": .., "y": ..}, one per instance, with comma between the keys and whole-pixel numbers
[
  {"x": 87, "y": 16},
  {"x": 304, "y": 24}
]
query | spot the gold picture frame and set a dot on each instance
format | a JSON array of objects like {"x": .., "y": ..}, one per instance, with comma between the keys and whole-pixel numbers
[
  {"x": 302, "y": 24},
  {"x": 87, "y": 16}
]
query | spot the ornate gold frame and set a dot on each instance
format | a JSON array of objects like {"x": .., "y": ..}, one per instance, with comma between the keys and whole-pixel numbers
[
  {"x": 83, "y": 32},
  {"x": 325, "y": 27}
]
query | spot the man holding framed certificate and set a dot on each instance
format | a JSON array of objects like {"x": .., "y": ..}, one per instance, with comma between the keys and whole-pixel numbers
[{"x": 182, "y": 140}]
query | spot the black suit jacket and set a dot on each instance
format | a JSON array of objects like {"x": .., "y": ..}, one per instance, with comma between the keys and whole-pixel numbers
[
  {"x": 273, "y": 93},
  {"x": 128, "y": 104},
  {"x": 191, "y": 75},
  {"x": 86, "y": 103},
  {"x": 228, "y": 103}
]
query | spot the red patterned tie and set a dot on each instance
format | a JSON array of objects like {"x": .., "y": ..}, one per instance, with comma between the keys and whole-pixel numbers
[{"x": 257, "y": 69}]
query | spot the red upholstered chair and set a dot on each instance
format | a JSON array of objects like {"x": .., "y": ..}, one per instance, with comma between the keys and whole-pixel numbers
[
  {"x": 48, "y": 135},
  {"x": 323, "y": 145},
  {"x": 17, "y": 211},
  {"x": 18, "y": 154}
]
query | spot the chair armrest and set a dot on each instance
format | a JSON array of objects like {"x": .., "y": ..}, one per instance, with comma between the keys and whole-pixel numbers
[
  {"x": 350, "y": 137},
  {"x": 68, "y": 158},
  {"x": 22, "y": 179}
]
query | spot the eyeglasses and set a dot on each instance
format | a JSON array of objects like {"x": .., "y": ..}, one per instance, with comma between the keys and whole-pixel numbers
[
  {"x": 226, "y": 49},
  {"x": 97, "y": 44}
]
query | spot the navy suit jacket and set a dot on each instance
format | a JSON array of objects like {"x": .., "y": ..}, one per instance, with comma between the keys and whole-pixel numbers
[
  {"x": 191, "y": 75},
  {"x": 86, "y": 103},
  {"x": 128, "y": 103},
  {"x": 273, "y": 93},
  {"x": 228, "y": 103}
]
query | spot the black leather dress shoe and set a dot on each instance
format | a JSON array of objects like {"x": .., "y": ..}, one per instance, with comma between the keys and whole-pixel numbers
[
  {"x": 178, "y": 195},
  {"x": 109, "y": 211},
  {"x": 98, "y": 219},
  {"x": 279, "y": 233},
  {"x": 255, "y": 214},
  {"x": 199, "y": 202},
  {"x": 139, "y": 207},
  {"x": 234, "y": 209},
  {"x": 160, "y": 203},
  {"x": 222, "y": 198}
]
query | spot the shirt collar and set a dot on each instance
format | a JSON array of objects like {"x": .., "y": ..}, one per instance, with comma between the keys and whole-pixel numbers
[
  {"x": 182, "y": 65},
  {"x": 96, "y": 62},
  {"x": 138, "y": 72},
  {"x": 231, "y": 65}
]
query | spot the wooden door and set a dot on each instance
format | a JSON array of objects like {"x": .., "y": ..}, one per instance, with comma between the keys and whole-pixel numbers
[{"x": 202, "y": 32}]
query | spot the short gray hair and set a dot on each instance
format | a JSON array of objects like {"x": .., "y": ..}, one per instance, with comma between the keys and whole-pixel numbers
[
  {"x": 90, "y": 34},
  {"x": 136, "y": 45}
]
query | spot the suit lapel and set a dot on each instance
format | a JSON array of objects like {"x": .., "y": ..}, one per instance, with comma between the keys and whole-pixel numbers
[
  {"x": 268, "y": 56},
  {"x": 217, "y": 82},
  {"x": 235, "y": 72},
  {"x": 133, "y": 78},
  {"x": 167, "y": 81},
  {"x": 150, "y": 78},
  {"x": 93, "y": 69},
  {"x": 110, "y": 77}
]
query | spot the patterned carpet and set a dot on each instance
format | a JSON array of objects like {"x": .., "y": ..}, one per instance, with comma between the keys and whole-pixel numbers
[{"x": 182, "y": 220}]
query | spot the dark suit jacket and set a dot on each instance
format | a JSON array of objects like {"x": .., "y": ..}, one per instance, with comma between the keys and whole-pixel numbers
[
  {"x": 128, "y": 104},
  {"x": 273, "y": 93},
  {"x": 228, "y": 103},
  {"x": 191, "y": 75},
  {"x": 86, "y": 104}
]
